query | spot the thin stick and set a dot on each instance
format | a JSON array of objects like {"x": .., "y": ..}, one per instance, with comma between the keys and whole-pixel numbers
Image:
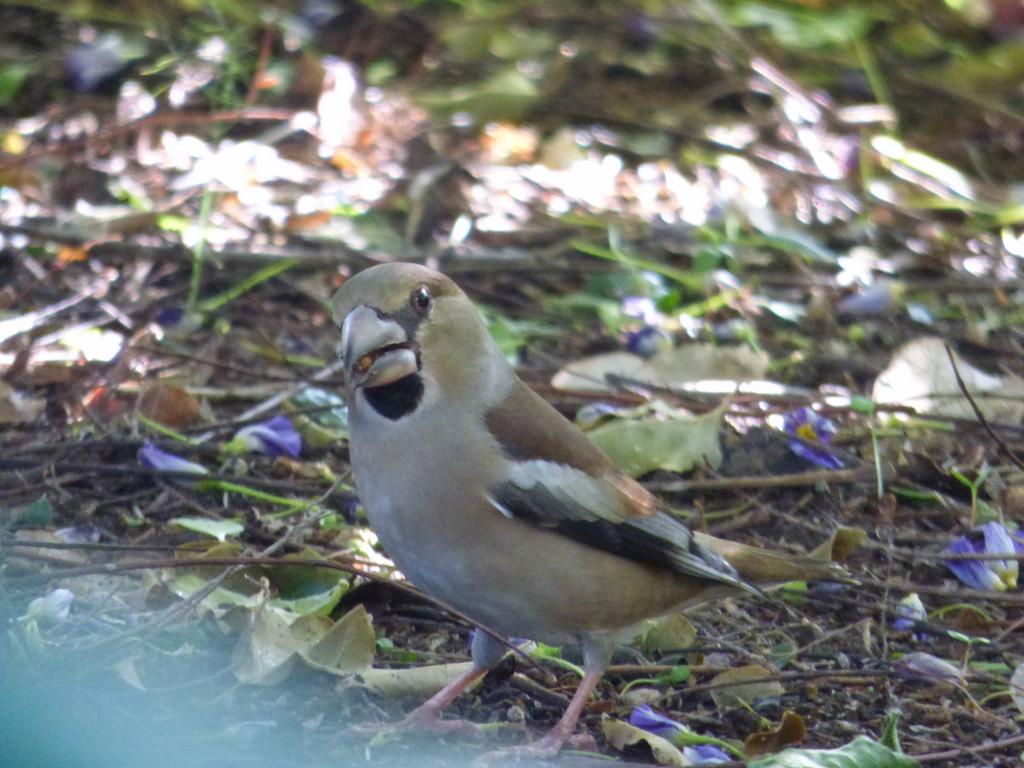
[{"x": 977, "y": 411}]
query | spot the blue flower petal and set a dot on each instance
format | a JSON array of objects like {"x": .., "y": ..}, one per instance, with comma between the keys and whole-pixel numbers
[
  {"x": 923, "y": 667},
  {"x": 998, "y": 542},
  {"x": 642, "y": 307},
  {"x": 973, "y": 573},
  {"x": 809, "y": 423},
  {"x": 653, "y": 722},
  {"x": 705, "y": 754},
  {"x": 820, "y": 456},
  {"x": 154, "y": 458},
  {"x": 274, "y": 437},
  {"x": 647, "y": 341},
  {"x": 811, "y": 435}
]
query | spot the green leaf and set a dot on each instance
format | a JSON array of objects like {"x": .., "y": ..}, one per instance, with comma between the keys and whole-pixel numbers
[
  {"x": 218, "y": 529},
  {"x": 12, "y": 76},
  {"x": 266, "y": 651},
  {"x": 412, "y": 682},
  {"x": 862, "y": 752},
  {"x": 673, "y": 632},
  {"x": 507, "y": 96},
  {"x": 678, "y": 675},
  {"x": 325, "y": 423},
  {"x": 38, "y": 514},
  {"x": 303, "y": 588},
  {"x": 348, "y": 646},
  {"x": 800, "y": 28},
  {"x": 783, "y": 654},
  {"x": 661, "y": 438},
  {"x": 187, "y": 584},
  {"x": 861, "y": 404},
  {"x": 544, "y": 651},
  {"x": 890, "y": 737},
  {"x": 316, "y": 603},
  {"x": 511, "y": 335}
]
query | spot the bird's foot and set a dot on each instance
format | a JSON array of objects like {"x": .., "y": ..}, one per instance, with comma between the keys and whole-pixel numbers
[
  {"x": 418, "y": 721},
  {"x": 426, "y": 722},
  {"x": 542, "y": 749}
]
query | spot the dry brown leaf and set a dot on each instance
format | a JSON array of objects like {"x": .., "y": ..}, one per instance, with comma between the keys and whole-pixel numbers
[
  {"x": 843, "y": 542},
  {"x": 169, "y": 404},
  {"x": 298, "y": 222},
  {"x": 68, "y": 254},
  {"x": 621, "y": 735},
  {"x": 791, "y": 731}
]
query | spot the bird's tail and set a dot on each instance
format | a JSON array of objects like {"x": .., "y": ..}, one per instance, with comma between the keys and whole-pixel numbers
[{"x": 762, "y": 566}]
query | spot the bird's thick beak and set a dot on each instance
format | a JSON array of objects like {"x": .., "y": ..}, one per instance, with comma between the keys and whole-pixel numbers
[{"x": 376, "y": 350}]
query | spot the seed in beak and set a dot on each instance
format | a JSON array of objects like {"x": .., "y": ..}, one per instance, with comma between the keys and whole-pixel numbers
[{"x": 363, "y": 363}]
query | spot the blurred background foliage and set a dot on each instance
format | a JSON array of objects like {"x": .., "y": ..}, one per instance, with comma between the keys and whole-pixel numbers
[{"x": 954, "y": 68}]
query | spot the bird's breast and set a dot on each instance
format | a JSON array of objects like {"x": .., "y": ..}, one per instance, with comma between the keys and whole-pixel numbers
[{"x": 423, "y": 481}]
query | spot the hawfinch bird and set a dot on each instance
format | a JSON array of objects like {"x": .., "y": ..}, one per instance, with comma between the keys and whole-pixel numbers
[{"x": 490, "y": 500}]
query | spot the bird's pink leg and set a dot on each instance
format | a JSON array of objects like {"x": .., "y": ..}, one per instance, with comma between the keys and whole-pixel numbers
[
  {"x": 551, "y": 744},
  {"x": 427, "y": 716}
]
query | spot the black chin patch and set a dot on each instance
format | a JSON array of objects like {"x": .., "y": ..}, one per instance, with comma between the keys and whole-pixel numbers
[{"x": 397, "y": 399}]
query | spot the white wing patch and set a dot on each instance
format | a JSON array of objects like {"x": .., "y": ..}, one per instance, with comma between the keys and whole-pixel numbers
[
  {"x": 500, "y": 507},
  {"x": 592, "y": 510},
  {"x": 583, "y": 496}
]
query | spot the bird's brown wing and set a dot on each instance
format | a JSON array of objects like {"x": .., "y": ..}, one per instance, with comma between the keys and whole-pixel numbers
[
  {"x": 561, "y": 481},
  {"x": 553, "y": 439}
]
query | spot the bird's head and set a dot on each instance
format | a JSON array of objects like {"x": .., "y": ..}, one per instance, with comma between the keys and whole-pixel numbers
[{"x": 404, "y": 327}]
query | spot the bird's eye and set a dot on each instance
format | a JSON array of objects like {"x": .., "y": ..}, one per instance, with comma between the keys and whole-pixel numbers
[{"x": 420, "y": 299}]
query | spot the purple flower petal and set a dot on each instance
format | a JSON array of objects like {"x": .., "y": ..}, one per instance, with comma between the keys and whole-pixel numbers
[
  {"x": 820, "y": 456},
  {"x": 812, "y": 433},
  {"x": 652, "y": 722},
  {"x": 154, "y": 458},
  {"x": 998, "y": 542},
  {"x": 810, "y": 425},
  {"x": 873, "y": 300},
  {"x": 170, "y": 316},
  {"x": 998, "y": 575},
  {"x": 705, "y": 754},
  {"x": 647, "y": 341},
  {"x": 642, "y": 307},
  {"x": 274, "y": 437},
  {"x": 973, "y": 573},
  {"x": 78, "y": 534},
  {"x": 923, "y": 667}
]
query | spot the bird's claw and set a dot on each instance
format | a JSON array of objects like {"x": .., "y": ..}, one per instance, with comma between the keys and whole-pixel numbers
[
  {"x": 417, "y": 722},
  {"x": 542, "y": 749}
]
